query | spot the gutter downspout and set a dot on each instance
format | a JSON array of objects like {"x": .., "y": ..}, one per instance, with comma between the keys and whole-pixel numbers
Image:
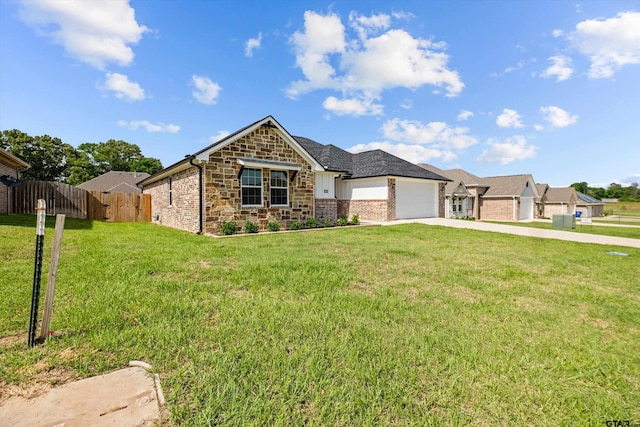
[
  {"x": 191, "y": 159},
  {"x": 514, "y": 208}
]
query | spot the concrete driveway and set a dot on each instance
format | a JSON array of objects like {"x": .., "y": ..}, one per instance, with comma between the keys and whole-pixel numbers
[{"x": 524, "y": 231}]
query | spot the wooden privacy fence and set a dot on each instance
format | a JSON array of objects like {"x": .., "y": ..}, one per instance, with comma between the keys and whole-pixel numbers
[{"x": 76, "y": 202}]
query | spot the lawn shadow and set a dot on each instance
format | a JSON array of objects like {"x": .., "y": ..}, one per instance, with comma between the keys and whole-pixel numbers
[{"x": 29, "y": 220}]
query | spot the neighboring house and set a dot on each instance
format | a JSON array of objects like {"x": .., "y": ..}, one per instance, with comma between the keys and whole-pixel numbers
[
  {"x": 261, "y": 173},
  {"x": 10, "y": 166},
  {"x": 558, "y": 201},
  {"x": 509, "y": 197},
  {"x": 461, "y": 193},
  {"x": 542, "y": 189},
  {"x": 116, "y": 181},
  {"x": 589, "y": 206},
  {"x": 498, "y": 198}
]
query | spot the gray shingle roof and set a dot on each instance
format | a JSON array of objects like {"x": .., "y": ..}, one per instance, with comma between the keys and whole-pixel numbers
[
  {"x": 561, "y": 195},
  {"x": 456, "y": 176},
  {"x": 124, "y": 182},
  {"x": 366, "y": 164},
  {"x": 505, "y": 186}
]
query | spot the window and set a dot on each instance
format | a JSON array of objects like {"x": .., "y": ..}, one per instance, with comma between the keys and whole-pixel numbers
[
  {"x": 460, "y": 208},
  {"x": 170, "y": 191},
  {"x": 251, "y": 187},
  {"x": 279, "y": 188},
  {"x": 454, "y": 207}
]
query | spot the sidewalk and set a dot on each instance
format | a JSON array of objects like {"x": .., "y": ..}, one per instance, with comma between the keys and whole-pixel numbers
[
  {"x": 127, "y": 398},
  {"x": 524, "y": 231}
]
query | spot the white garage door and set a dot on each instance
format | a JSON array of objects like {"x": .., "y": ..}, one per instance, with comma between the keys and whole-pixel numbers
[
  {"x": 415, "y": 199},
  {"x": 526, "y": 207}
]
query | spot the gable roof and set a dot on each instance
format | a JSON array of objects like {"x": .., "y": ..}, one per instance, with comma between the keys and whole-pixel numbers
[
  {"x": 366, "y": 164},
  {"x": 11, "y": 160},
  {"x": 203, "y": 155},
  {"x": 123, "y": 182},
  {"x": 508, "y": 185},
  {"x": 457, "y": 177},
  {"x": 561, "y": 195}
]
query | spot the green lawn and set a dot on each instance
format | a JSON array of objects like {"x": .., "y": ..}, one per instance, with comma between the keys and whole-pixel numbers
[
  {"x": 402, "y": 325},
  {"x": 631, "y": 232}
]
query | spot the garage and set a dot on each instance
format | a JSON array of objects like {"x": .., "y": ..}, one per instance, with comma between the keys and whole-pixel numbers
[{"x": 416, "y": 199}]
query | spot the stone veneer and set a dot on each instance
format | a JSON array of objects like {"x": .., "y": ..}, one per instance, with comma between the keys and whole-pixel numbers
[
  {"x": 6, "y": 192},
  {"x": 223, "y": 191}
]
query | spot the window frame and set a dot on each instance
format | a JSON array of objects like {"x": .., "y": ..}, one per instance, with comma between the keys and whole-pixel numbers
[
  {"x": 170, "y": 191},
  {"x": 253, "y": 186},
  {"x": 276, "y": 187}
]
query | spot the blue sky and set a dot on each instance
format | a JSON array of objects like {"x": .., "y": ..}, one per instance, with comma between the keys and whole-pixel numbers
[{"x": 550, "y": 88}]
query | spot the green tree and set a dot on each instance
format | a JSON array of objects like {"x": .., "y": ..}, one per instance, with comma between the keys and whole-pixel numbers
[
  {"x": 48, "y": 156},
  {"x": 581, "y": 187}
]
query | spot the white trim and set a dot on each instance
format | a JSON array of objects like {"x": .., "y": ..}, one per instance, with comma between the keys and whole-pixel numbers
[
  {"x": 267, "y": 164},
  {"x": 261, "y": 186},
  {"x": 204, "y": 155}
]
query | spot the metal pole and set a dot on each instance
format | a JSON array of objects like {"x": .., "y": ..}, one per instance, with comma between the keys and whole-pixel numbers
[{"x": 41, "y": 211}]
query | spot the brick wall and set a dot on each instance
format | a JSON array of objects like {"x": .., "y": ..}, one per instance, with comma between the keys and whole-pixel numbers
[
  {"x": 367, "y": 210},
  {"x": 6, "y": 193},
  {"x": 390, "y": 214},
  {"x": 441, "y": 197},
  {"x": 498, "y": 209},
  {"x": 223, "y": 200},
  {"x": 182, "y": 213},
  {"x": 556, "y": 209},
  {"x": 326, "y": 209}
]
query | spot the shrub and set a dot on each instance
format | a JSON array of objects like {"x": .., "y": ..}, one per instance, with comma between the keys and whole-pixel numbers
[
  {"x": 295, "y": 225},
  {"x": 327, "y": 223},
  {"x": 229, "y": 228},
  {"x": 250, "y": 227},
  {"x": 312, "y": 223},
  {"x": 355, "y": 219},
  {"x": 273, "y": 226},
  {"x": 342, "y": 221}
]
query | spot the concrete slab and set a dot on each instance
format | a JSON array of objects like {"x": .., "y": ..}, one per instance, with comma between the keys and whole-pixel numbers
[
  {"x": 524, "y": 231},
  {"x": 124, "y": 398}
]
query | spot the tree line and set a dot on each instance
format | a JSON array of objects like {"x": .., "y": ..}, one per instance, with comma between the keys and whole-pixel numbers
[
  {"x": 614, "y": 191},
  {"x": 53, "y": 160}
]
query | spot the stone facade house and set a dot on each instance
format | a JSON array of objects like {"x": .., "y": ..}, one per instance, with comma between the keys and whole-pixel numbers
[
  {"x": 10, "y": 167},
  {"x": 497, "y": 198},
  {"x": 117, "y": 181},
  {"x": 261, "y": 173}
]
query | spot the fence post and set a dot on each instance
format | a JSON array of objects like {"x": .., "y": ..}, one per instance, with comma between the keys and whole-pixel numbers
[
  {"x": 41, "y": 211},
  {"x": 53, "y": 275}
]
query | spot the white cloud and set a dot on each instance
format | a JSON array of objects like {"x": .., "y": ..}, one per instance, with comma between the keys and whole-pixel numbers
[
  {"x": 96, "y": 32},
  {"x": 509, "y": 119},
  {"x": 407, "y": 104},
  {"x": 633, "y": 178},
  {"x": 150, "y": 127},
  {"x": 609, "y": 44},
  {"x": 538, "y": 127},
  {"x": 205, "y": 91},
  {"x": 557, "y": 117},
  {"x": 516, "y": 67},
  {"x": 465, "y": 115},
  {"x": 510, "y": 150},
  {"x": 363, "y": 67},
  {"x": 411, "y": 153},
  {"x": 437, "y": 134},
  {"x": 561, "y": 68},
  {"x": 367, "y": 25},
  {"x": 251, "y": 45},
  {"x": 220, "y": 135},
  {"x": 123, "y": 88},
  {"x": 352, "y": 106}
]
